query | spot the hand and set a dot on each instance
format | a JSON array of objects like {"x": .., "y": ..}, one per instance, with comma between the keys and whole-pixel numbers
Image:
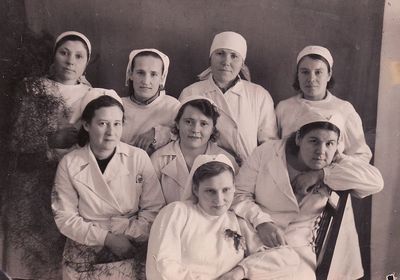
[
  {"x": 304, "y": 183},
  {"x": 119, "y": 244},
  {"x": 145, "y": 140},
  {"x": 235, "y": 274},
  {"x": 63, "y": 138},
  {"x": 271, "y": 235}
]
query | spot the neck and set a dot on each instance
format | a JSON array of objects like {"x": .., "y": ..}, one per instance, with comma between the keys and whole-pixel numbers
[
  {"x": 102, "y": 154},
  {"x": 141, "y": 101},
  {"x": 190, "y": 154},
  {"x": 317, "y": 98},
  {"x": 224, "y": 86},
  {"x": 64, "y": 82}
]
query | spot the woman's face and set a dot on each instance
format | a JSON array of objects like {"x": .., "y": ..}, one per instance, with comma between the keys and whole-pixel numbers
[
  {"x": 317, "y": 148},
  {"x": 195, "y": 128},
  {"x": 105, "y": 130},
  {"x": 215, "y": 194},
  {"x": 225, "y": 66},
  {"x": 70, "y": 62},
  {"x": 313, "y": 78},
  {"x": 146, "y": 77}
]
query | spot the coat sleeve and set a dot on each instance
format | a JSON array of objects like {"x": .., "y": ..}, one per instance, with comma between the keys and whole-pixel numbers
[
  {"x": 354, "y": 139},
  {"x": 65, "y": 201},
  {"x": 352, "y": 173},
  {"x": 267, "y": 127},
  {"x": 150, "y": 202},
  {"x": 164, "y": 258},
  {"x": 244, "y": 204}
]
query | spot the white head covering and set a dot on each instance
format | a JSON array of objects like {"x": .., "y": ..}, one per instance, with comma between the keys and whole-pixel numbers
[
  {"x": 227, "y": 40},
  {"x": 230, "y": 40},
  {"x": 199, "y": 161},
  {"x": 78, "y": 34},
  {"x": 164, "y": 58},
  {"x": 195, "y": 97},
  {"x": 92, "y": 94},
  {"x": 324, "y": 52},
  {"x": 315, "y": 116}
]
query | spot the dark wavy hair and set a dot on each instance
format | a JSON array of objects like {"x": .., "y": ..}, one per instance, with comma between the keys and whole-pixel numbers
[
  {"x": 296, "y": 83},
  {"x": 204, "y": 106},
  {"x": 208, "y": 170},
  {"x": 291, "y": 146},
  {"x": 90, "y": 110},
  {"x": 71, "y": 38},
  {"x": 141, "y": 54}
]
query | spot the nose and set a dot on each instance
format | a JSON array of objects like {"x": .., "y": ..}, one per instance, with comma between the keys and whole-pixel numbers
[
  {"x": 219, "y": 198},
  {"x": 71, "y": 59},
  {"x": 146, "y": 79},
  {"x": 320, "y": 149},
  {"x": 109, "y": 129},
  {"x": 226, "y": 59},
  {"x": 196, "y": 127},
  {"x": 312, "y": 76}
]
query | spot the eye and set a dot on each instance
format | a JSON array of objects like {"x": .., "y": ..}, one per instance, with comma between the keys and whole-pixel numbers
[
  {"x": 102, "y": 123},
  {"x": 62, "y": 52},
  {"x": 117, "y": 124},
  {"x": 304, "y": 72},
  {"x": 188, "y": 121},
  {"x": 78, "y": 56},
  {"x": 234, "y": 56},
  {"x": 154, "y": 74},
  {"x": 226, "y": 190},
  {"x": 209, "y": 191},
  {"x": 318, "y": 72},
  {"x": 204, "y": 123},
  {"x": 140, "y": 72},
  {"x": 331, "y": 144}
]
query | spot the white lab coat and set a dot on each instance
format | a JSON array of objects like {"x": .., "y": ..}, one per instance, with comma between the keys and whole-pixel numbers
[
  {"x": 88, "y": 204},
  {"x": 289, "y": 110},
  {"x": 188, "y": 244},
  {"x": 247, "y": 114},
  {"x": 159, "y": 114},
  {"x": 172, "y": 171},
  {"x": 264, "y": 194}
]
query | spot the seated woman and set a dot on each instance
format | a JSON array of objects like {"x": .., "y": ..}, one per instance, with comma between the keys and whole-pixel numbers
[
  {"x": 313, "y": 80},
  {"x": 149, "y": 112},
  {"x": 247, "y": 109},
  {"x": 201, "y": 239},
  {"x": 275, "y": 194},
  {"x": 195, "y": 128},
  {"x": 105, "y": 197}
]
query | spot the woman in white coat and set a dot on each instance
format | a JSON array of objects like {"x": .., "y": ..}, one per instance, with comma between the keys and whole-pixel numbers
[
  {"x": 196, "y": 133},
  {"x": 313, "y": 80},
  {"x": 105, "y": 197},
  {"x": 149, "y": 112},
  {"x": 247, "y": 109},
  {"x": 199, "y": 238},
  {"x": 274, "y": 191}
]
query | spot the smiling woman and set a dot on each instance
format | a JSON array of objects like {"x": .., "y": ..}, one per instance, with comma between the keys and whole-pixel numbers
[{"x": 196, "y": 133}]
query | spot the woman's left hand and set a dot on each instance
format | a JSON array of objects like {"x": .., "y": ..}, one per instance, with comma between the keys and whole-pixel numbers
[
  {"x": 304, "y": 183},
  {"x": 235, "y": 274},
  {"x": 145, "y": 140}
]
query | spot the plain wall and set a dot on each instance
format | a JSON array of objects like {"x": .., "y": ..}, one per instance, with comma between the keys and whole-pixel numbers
[
  {"x": 385, "y": 245},
  {"x": 276, "y": 30}
]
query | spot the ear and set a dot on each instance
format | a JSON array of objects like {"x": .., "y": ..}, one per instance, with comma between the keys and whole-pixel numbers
[
  {"x": 330, "y": 75},
  {"x": 85, "y": 126},
  {"x": 297, "y": 138}
]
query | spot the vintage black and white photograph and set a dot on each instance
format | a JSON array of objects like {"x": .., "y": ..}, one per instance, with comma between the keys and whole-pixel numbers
[{"x": 199, "y": 139}]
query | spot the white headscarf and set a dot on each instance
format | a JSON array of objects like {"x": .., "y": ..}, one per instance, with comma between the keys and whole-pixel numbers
[
  {"x": 92, "y": 94},
  {"x": 232, "y": 41},
  {"x": 324, "y": 52},
  {"x": 199, "y": 161},
  {"x": 164, "y": 58},
  {"x": 78, "y": 34}
]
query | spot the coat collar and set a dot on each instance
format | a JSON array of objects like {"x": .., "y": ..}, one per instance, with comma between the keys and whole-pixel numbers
[{"x": 89, "y": 173}]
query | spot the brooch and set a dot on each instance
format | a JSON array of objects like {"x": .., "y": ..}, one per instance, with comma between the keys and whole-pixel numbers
[{"x": 238, "y": 240}]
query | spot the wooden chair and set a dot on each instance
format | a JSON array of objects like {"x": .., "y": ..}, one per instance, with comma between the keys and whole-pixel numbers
[{"x": 328, "y": 230}]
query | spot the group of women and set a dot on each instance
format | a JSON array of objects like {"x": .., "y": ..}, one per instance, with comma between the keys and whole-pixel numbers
[{"x": 217, "y": 185}]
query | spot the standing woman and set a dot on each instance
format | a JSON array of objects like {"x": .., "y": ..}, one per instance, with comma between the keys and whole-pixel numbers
[
  {"x": 150, "y": 113},
  {"x": 43, "y": 130},
  {"x": 314, "y": 79},
  {"x": 247, "y": 110},
  {"x": 106, "y": 195},
  {"x": 196, "y": 133}
]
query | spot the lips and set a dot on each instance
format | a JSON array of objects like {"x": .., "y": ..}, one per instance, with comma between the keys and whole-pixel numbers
[{"x": 69, "y": 70}]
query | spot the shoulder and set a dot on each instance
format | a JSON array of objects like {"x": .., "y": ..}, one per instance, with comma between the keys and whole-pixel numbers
[
  {"x": 76, "y": 157},
  {"x": 288, "y": 102},
  {"x": 131, "y": 151},
  {"x": 166, "y": 150},
  {"x": 169, "y": 100},
  {"x": 195, "y": 88},
  {"x": 344, "y": 104},
  {"x": 176, "y": 209}
]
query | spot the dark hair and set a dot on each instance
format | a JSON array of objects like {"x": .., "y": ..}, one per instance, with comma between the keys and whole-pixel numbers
[
  {"x": 204, "y": 106},
  {"x": 291, "y": 142},
  {"x": 141, "y": 54},
  {"x": 296, "y": 83},
  {"x": 90, "y": 110},
  {"x": 71, "y": 38},
  {"x": 208, "y": 170}
]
